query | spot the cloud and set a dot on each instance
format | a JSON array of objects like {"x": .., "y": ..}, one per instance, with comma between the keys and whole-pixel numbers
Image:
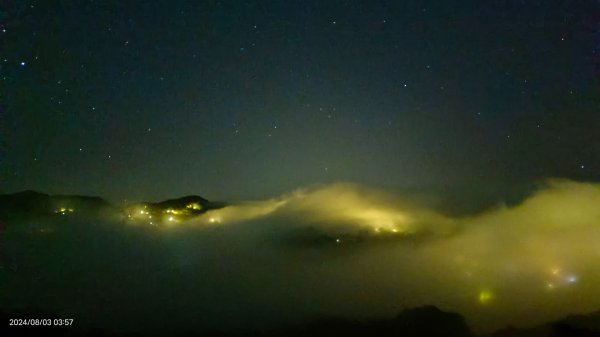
[
  {"x": 345, "y": 208},
  {"x": 500, "y": 265},
  {"x": 364, "y": 253}
]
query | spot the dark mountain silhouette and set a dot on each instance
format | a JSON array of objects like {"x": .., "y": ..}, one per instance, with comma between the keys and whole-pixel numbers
[
  {"x": 28, "y": 204},
  {"x": 587, "y": 325},
  {"x": 171, "y": 210},
  {"x": 25, "y": 202},
  {"x": 424, "y": 321},
  {"x": 427, "y": 321},
  {"x": 202, "y": 205},
  {"x": 35, "y": 203}
]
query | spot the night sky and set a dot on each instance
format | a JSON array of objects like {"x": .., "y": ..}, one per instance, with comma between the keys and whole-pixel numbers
[
  {"x": 242, "y": 99},
  {"x": 365, "y": 157}
]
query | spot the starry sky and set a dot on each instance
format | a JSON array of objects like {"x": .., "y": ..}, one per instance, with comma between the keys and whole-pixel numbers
[{"x": 244, "y": 99}]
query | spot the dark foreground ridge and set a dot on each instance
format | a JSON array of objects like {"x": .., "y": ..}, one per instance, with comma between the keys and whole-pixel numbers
[{"x": 426, "y": 321}]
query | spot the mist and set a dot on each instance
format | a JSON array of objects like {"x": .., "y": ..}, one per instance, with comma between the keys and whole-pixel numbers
[{"x": 337, "y": 250}]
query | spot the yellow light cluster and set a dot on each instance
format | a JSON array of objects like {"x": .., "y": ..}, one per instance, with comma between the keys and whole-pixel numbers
[
  {"x": 560, "y": 278},
  {"x": 174, "y": 211},
  {"x": 485, "y": 296},
  {"x": 64, "y": 210},
  {"x": 195, "y": 206},
  {"x": 139, "y": 214},
  {"x": 214, "y": 220}
]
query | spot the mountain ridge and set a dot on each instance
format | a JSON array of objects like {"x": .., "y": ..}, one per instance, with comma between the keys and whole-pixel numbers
[{"x": 31, "y": 202}]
